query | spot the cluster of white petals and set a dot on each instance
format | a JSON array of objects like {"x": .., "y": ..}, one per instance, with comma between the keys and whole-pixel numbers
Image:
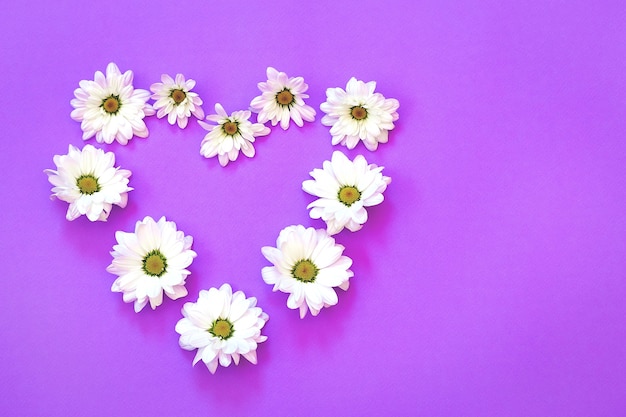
[
  {"x": 89, "y": 182},
  {"x": 359, "y": 114},
  {"x": 345, "y": 188},
  {"x": 230, "y": 135},
  {"x": 308, "y": 265},
  {"x": 151, "y": 261},
  {"x": 282, "y": 100},
  {"x": 223, "y": 327},
  {"x": 175, "y": 100},
  {"x": 110, "y": 108}
]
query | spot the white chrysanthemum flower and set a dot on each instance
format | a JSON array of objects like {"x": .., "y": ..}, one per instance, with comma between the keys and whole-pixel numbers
[
  {"x": 150, "y": 261},
  {"x": 358, "y": 113},
  {"x": 175, "y": 99},
  {"x": 308, "y": 264},
  {"x": 110, "y": 108},
  {"x": 344, "y": 189},
  {"x": 87, "y": 180},
  {"x": 281, "y": 100},
  {"x": 232, "y": 134},
  {"x": 223, "y": 326}
]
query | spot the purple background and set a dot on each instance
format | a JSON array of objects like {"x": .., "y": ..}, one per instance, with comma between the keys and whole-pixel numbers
[{"x": 491, "y": 281}]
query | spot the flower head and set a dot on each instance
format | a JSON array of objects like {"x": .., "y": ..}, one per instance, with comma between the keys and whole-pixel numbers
[
  {"x": 358, "y": 113},
  {"x": 344, "y": 189},
  {"x": 175, "y": 99},
  {"x": 308, "y": 264},
  {"x": 87, "y": 180},
  {"x": 281, "y": 100},
  {"x": 150, "y": 261},
  {"x": 110, "y": 108},
  {"x": 223, "y": 326},
  {"x": 232, "y": 134}
]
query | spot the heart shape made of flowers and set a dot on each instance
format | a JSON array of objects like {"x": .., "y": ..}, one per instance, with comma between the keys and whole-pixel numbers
[{"x": 151, "y": 261}]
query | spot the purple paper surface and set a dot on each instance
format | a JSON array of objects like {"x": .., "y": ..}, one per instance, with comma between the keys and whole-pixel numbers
[{"x": 491, "y": 280}]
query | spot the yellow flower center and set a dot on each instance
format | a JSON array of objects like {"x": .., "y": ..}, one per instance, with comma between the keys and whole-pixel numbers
[
  {"x": 230, "y": 128},
  {"x": 154, "y": 263},
  {"x": 304, "y": 271},
  {"x": 285, "y": 98},
  {"x": 87, "y": 184},
  {"x": 111, "y": 104},
  {"x": 358, "y": 113},
  {"x": 222, "y": 328},
  {"x": 349, "y": 195},
  {"x": 178, "y": 96}
]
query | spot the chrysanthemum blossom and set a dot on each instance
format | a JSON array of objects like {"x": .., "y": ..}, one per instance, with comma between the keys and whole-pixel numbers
[
  {"x": 175, "y": 100},
  {"x": 110, "y": 108},
  {"x": 308, "y": 265},
  {"x": 232, "y": 134},
  {"x": 87, "y": 180},
  {"x": 345, "y": 188},
  {"x": 223, "y": 327},
  {"x": 151, "y": 261},
  {"x": 282, "y": 100},
  {"x": 358, "y": 113}
]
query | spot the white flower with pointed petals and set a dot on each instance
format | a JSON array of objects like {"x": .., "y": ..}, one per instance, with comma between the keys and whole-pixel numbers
[
  {"x": 223, "y": 327},
  {"x": 87, "y": 180},
  {"x": 232, "y": 134},
  {"x": 281, "y": 100},
  {"x": 308, "y": 265},
  {"x": 151, "y": 261},
  {"x": 344, "y": 189},
  {"x": 110, "y": 108},
  {"x": 175, "y": 100},
  {"x": 358, "y": 113}
]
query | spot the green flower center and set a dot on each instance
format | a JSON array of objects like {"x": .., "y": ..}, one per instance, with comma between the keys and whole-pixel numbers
[
  {"x": 87, "y": 184},
  {"x": 178, "y": 96},
  {"x": 111, "y": 104},
  {"x": 230, "y": 128},
  {"x": 304, "y": 271},
  {"x": 154, "y": 263},
  {"x": 349, "y": 195},
  {"x": 358, "y": 113},
  {"x": 222, "y": 328},
  {"x": 285, "y": 98}
]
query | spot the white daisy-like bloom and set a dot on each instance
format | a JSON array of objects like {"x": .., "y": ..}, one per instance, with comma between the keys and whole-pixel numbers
[
  {"x": 232, "y": 134},
  {"x": 110, "y": 108},
  {"x": 223, "y": 327},
  {"x": 358, "y": 113},
  {"x": 175, "y": 99},
  {"x": 282, "y": 100},
  {"x": 151, "y": 261},
  {"x": 87, "y": 180},
  {"x": 344, "y": 189},
  {"x": 308, "y": 265}
]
